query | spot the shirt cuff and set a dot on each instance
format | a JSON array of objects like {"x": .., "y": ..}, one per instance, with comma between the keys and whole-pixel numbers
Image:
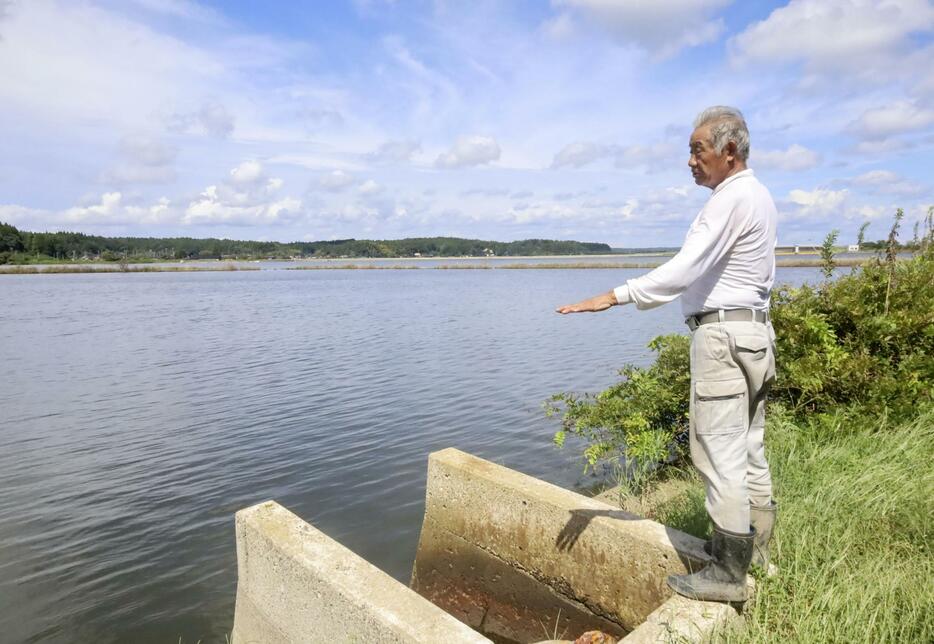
[{"x": 622, "y": 294}]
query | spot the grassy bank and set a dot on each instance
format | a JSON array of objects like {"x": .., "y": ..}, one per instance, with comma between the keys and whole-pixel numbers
[{"x": 854, "y": 533}]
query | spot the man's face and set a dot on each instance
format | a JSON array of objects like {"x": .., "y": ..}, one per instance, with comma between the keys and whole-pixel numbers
[{"x": 707, "y": 167}]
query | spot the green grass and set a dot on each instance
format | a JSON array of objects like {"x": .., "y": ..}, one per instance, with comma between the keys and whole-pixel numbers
[{"x": 854, "y": 533}]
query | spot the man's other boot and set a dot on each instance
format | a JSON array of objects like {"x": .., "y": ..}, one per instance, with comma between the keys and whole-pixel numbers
[
  {"x": 724, "y": 578},
  {"x": 762, "y": 519}
]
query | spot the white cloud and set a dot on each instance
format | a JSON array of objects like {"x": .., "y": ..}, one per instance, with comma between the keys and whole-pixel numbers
[
  {"x": 469, "y": 151},
  {"x": 142, "y": 159},
  {"x": 318, "y": 118},
  {"x": 247, "y": 173},
  {"x": 213, "y": 207},
  {"x": 215, "y": 119},
  {"x": 369, "y": 188},
  {"x": 820, "y": 201},
  {"x": 113, "y": 211},
  {"x": 313, "y": 162},
  {"x": 211, "y": 118},
  {"x": 903, "y": 189},
  {"x": 925, "y": 85},
  {"x": 662, "y": 27},
  {"x": 581, "y": 153},
  {"x": 336, "y": 180},
  {"x": 106, "y": 209},
  {"x": 428, "y": 92},
  {"x": 893, "y": 119},
  {"x": 540, "y": 212},
  {"x": 21, "y": 215},
  {"x": 853, "y": 35},
  {"x": 250, "y": 204},
  {"x": 485, "y": 192},
  {"x": 78, "y": 76},
  {"x": 656, "y": 156},
  {"x": 888, "y": 182},
  {"x": 874, "y": 148},
  {"x": 795, "y": 158},
  {"x": 875, "y": 178},
  {"x": 148, "y": 151},
  {"x": 180, "y": 9},
  {"x": 69, "y": 62},
  {"x": 394, "y": 152},
  {"x": 560, "y": 27},
  {"x": 137, "y": 174},
  {"x": 568, "y": 196},
  {"x": 672, "y": 204}
]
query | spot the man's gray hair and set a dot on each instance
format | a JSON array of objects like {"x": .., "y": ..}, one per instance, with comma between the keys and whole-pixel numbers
[{"x": 727, "y": 124}]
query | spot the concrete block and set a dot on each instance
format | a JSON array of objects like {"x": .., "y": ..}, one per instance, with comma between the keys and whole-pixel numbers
[
  {"x": 504, "y": 552},
  {"x": 296, "y": 584},
  {"x": 684, "y": 620}
]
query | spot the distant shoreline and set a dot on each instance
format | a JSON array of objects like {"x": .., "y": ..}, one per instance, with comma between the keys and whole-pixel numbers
[{"x": 369, "y": 263}]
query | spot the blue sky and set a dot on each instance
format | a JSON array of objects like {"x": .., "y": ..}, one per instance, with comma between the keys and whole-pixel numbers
[{"x": 499, "y": 120}]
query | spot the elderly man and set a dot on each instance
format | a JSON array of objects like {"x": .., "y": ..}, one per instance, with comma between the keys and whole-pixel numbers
[{"x": 723, "y": 274}]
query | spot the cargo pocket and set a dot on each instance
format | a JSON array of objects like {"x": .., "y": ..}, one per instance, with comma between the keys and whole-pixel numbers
[
  {"x": 754, "y": 346},
  {"x": 751, "y": 353},
  {"x": 720, "y": 406}
]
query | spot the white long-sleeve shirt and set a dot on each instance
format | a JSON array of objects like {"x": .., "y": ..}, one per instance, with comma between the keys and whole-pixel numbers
[{"x": 728, "y": 257}]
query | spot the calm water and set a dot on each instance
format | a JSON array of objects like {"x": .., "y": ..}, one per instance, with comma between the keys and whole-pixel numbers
[
  {"x": 606, "y": 261},
  {"x": 138, "y": 412}
]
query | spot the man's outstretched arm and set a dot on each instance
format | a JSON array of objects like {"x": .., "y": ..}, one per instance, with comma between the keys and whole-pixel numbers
[{"x": 597, "y": 303}]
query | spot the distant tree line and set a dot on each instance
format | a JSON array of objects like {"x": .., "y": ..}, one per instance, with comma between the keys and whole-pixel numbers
[{"x": 19, "y": 246}]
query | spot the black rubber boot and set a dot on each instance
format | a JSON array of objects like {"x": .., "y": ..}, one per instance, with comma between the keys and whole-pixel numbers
[
  {"x": 762, "y": 519},
  {"x": 724, "y": 578}
]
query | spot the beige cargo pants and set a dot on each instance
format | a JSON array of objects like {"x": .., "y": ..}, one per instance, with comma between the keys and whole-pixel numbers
[{"x": 732, "y": 367}]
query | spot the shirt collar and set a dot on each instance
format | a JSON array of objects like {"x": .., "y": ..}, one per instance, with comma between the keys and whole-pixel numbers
[{"x": 745, "y": 173}]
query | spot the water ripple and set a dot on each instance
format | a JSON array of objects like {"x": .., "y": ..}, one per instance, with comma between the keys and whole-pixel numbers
[{"x": 146, "y": 409}]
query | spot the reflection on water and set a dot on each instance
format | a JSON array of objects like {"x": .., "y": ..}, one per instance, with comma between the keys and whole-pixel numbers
[{"x": 138, "y": 412}]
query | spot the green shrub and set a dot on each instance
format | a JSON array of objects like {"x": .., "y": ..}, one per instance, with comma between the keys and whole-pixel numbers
[
  {"x": 864, "y": 342},
  {"x": 859, "y": 346},
  {"x": 640, "y": 417}
]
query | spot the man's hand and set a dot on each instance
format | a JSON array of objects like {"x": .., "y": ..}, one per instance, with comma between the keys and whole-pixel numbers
[{"x": 596, "y": 303}]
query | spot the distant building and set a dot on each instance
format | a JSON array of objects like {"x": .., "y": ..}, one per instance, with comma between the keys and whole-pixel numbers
[
  {"x": 852, "y": 248},
  {"x": 797, "y": 249}
]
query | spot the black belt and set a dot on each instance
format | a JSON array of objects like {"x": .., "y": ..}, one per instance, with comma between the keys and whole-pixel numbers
[{"x": 726, "y": 315}]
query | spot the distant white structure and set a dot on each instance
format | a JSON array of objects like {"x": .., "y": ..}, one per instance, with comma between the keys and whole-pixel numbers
[
  {"x": 852, "y": 248},
  {"x": 797, "y": 249}
]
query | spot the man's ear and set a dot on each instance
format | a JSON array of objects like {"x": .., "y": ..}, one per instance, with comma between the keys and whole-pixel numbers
[{"x": 730, "y": 151}]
